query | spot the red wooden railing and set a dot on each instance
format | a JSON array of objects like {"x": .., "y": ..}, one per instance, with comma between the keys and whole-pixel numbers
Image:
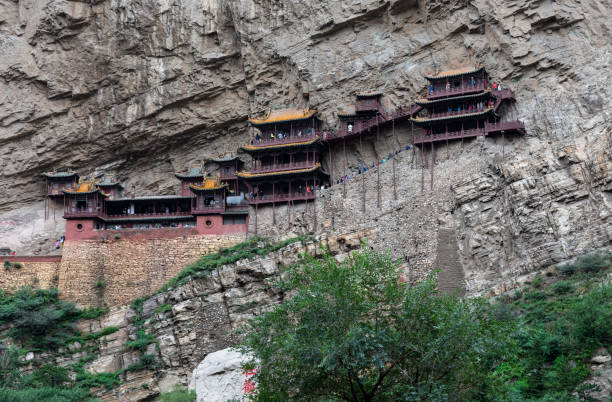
[
  {"x": 285, "y": 140},
  {"x": 454, "y": 113},
  {"x": 282, "y": 198},
  {"x": 282, "y": 166},
  {"x": 88, "y": 214},
  {"x": 365, "y": 126},
  {"x": 454, "y": 91},
  {"x": 451, "y": 135},
  {"x": 515, "y": 125}
]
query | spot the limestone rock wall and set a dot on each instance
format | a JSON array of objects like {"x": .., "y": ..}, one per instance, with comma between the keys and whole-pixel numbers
[{"x": 145, "y": 88}]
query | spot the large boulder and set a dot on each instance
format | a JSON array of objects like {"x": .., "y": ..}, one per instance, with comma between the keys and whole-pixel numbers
[{"x": 219, "y": 377}]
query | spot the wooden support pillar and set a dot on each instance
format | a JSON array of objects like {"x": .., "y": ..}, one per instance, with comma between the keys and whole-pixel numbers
[
  {"x": 256, "y": 213},
  {"x": 377, "y": 165},
  {"x": 314, "y": 204},
  {"x": 345, "y": 163},
  {"x": 363, "y": 189},
  {"x": 503, "y": 143},
  {"x": 433, "y": 162},
  {"x": 289, "y": 203},
  {"x": 422, "y": 168},
  {"x": 273, "y": 206},
  {"x": 331, "y": 164},
  {"x": 394, "y": 155},
  {"x": 413, "y": 146}
]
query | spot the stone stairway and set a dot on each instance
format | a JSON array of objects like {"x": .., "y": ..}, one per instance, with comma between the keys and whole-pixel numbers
[{"x": 451, "y": 275}]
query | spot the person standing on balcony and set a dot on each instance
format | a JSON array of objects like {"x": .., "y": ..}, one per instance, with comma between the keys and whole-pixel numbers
[
  {"x": 431, "y": 88},
  {"x": 350, "y": 127},
  {"x": 473, "y": 82}
]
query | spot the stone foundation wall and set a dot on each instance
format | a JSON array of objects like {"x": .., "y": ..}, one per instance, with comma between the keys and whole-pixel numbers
[
  {"x": 117, "y": 271},
  {"x": 36, "y": 272}
]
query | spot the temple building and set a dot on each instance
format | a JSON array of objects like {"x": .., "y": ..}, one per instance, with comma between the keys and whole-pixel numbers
[
  {"x": 463, "y": 103},
  {"x": 285, "y": 154},
  {"x": 55, "y": 183},
  {"x": 228, "y": 165},
  {"x": 285, "y": 165},
  {"x": 216, "y": 210},
  {"x": 93, "y": 209},
  {"x": 111, "y": 186}
]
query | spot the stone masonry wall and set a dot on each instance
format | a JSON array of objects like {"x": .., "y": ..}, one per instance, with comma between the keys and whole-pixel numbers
[
  {"x": 43, "y": 274},
  {"x": 117, "y": 271}
]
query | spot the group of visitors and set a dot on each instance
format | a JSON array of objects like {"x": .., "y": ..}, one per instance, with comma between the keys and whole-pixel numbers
[
  {"x": 363, "y": 169},
  {"x": 473, "y": 82},
  {"x": 60, "y": 242},
  {"x": 282, "y": 135}
]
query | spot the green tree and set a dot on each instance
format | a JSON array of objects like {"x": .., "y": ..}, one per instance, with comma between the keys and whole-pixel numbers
[{"x": 354, "y": 332}]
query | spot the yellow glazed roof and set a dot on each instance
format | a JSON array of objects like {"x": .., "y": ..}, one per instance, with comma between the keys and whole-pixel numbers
[
  {"x": 209, "y": 184},
  {"x": 281, "y": 115},
  {"x": 84, "y": 187},
  {"x": 248, "y": 175},
  {"x": 455, "y": 72}
]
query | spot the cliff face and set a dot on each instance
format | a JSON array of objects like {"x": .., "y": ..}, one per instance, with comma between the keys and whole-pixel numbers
[{"x": 145, "y": 88}]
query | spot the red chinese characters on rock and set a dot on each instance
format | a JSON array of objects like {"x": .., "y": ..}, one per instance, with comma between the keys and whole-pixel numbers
[{"x": 248, "y": 386}]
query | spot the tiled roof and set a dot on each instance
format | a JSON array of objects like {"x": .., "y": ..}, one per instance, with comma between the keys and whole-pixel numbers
[
  {"x": 451, "y": 99},
  {"x": 209, "y": 184},
  {"x": 454, "y": 73},
  {"x": 248, "y": 175},
  {"x": 452, "y": 117},
  {"x": 59, "y": 174},
  {"x": 283, "y": 115},
  {"x": 264, "y": 147}
]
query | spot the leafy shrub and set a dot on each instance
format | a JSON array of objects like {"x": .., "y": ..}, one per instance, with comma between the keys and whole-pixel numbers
[
  {"x": 7, "y": 265},
  {"x": 146, "y": 361},
  {"x": 38, "y": 316},
  {"x": 563, "y": 287},
  {"x": 45, "y": 394},
  {"x": 537, "y": 282},
  {"x": 589, "y": 264},
  {"x": 17, "y": 265},
  {"x": 50, "y": 376},
  {"x": 88, "y": 380},
  {"x": 141, "y": 342},
  {"x": 535, "y": 295},
  {"x": 178, "y": 394},
  {"x": 591, "y": 317}
]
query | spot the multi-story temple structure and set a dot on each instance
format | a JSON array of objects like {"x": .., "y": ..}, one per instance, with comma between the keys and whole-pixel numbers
[
  {"x": 92, "y": 208},
  {"x": 287, "y": 150},
  {"x": 464, "y": 103},
  {"x": 285, "y": 153}
]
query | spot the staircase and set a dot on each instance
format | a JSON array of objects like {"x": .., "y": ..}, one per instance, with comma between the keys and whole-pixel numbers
[{"x": 451, "y": 277}]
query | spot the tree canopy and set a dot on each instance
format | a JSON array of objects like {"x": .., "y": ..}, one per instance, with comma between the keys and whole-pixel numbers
[{"x": 354, "y": 332}]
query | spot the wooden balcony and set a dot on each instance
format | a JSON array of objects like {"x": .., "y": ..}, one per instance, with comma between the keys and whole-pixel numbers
[
  {"x": 456, "y": 91},
  {"x": 208, "y": 209},
  {"x": 81, "y": 214},
  {"x": 506, "y": 126},
  {"x": 267, "y": 199},
  {"x": 448, "y": 136},
  {"x": 283, "y": 166},
  {"x": 454, "y": 113},
  {"x": 489, "y": 128},
  {"x": 285, "y": 140},
  {"x": 362, "y": 127}
]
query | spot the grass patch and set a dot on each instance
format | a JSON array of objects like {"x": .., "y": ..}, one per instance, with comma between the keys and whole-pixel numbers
[{"x": 178, "y": 394}]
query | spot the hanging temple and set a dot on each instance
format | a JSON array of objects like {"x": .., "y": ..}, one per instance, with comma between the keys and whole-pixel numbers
[{"x": 286, "y": 151}]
